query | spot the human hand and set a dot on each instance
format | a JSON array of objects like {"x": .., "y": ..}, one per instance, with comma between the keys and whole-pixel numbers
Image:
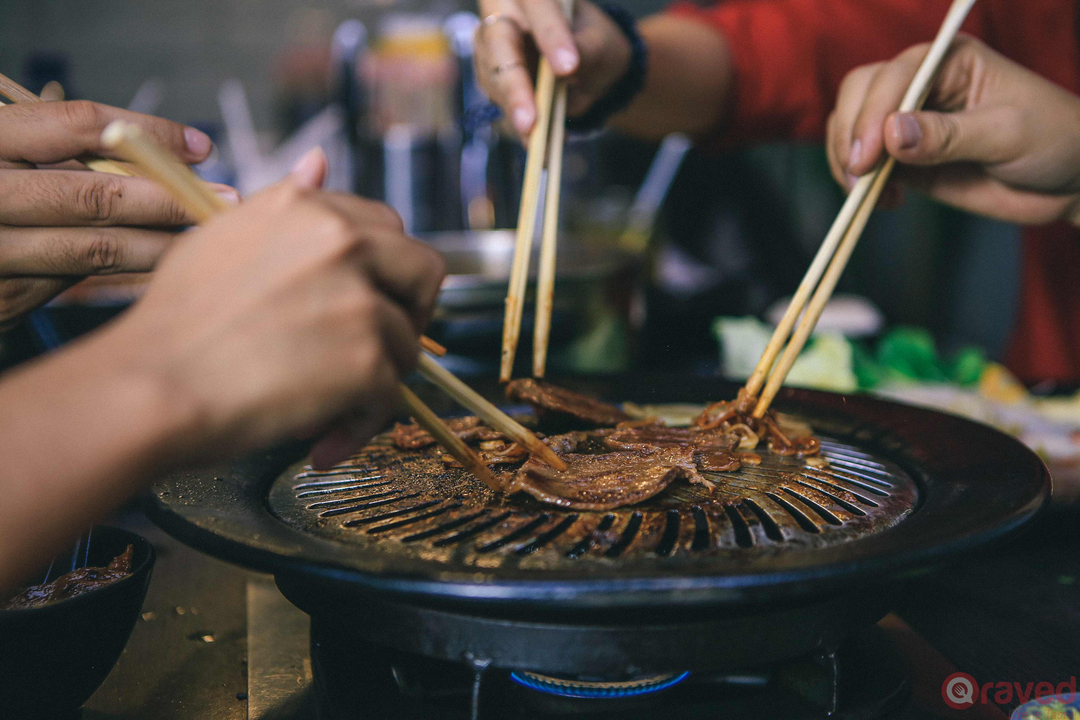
[
  {"x": 284, "y": 316},
  {"x": 994, "y": 139},
  {"x": 590, "y": 52},
  {"x": 58, "y": 225}
]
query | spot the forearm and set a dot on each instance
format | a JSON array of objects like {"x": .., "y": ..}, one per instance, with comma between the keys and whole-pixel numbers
[
  {"x": 80, "y": 432},
  {"x": 689, "y": 83}
]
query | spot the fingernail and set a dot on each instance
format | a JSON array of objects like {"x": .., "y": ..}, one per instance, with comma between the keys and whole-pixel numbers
[
  {"x": 310, "y": 170},
  {"x": 523, "y": 120},
  {"x": 909, "y": 131},
  {"x": 198, "y": 142},
  {"x": 564, "y": 60},
  {"x": 851, "y": 180},
  {"x": 230, "y": 196},
  {"x": 856, "y": 154}
]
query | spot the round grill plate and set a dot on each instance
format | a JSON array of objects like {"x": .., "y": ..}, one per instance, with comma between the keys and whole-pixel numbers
[{"x": 410, "y": 505}]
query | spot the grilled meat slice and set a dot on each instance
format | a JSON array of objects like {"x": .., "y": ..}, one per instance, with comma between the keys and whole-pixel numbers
[
  {"x": 469, "y": 429},
  {"x": 561, "y": 405},
  {"x": 502, "y": 452},
  {"x": 658, "y": 435},
  {"x": 610, "y": 480}
]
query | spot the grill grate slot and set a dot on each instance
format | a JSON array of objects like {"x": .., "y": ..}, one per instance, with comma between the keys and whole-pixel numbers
[
  {"x": 343, "y": 488},
  {"x": 472, "y": 531},
  {"x": 444, "y": 527},
  {"x": 589, "y": 540},
  {"x": 701, "y": 531},
  {"x": 345, "y": 481},
  {"x": 844, "y": 478},
  {"x": 867, "y": 472},
  {"x": 337, "y": 470},
  {"x": 830, "y": 485},
  {"x": 354, "y": 498},
  {"x": 365, "y": 506},
  {"x": 627, "y": 537},
  {"x": 818, "y": 510},
  {"x": 547, "y": 537},
  {"x": 771, "y": 528},
  {"x": 412, "y": 520},
  {"x": 796, "y": 514},
  {"x": 849, "y": 507},
  {"x": 670, "y": 536},
  {"x": 356, "y": 522},
  {"x": 514, "y": 535},
  {"x": 742, "y": 532}
]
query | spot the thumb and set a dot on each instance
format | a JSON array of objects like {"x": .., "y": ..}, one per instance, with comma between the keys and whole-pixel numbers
[
  {"x": 983, "y": 136},
  {"x": 310, "y": 170}
]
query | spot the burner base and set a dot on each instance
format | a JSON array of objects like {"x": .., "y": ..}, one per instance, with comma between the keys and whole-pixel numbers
[{"x": 355, "y": 680}]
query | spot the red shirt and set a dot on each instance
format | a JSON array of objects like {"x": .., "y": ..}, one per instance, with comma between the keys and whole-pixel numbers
[{"x": 791, "y": 55}]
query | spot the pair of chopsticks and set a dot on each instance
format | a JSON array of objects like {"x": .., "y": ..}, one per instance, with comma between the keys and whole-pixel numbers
[
  {"x": 128, "y": 141},
  {"x": 16, "y": 93},
  {"x": 546, "y": 142},
  {"x": 836, "y": 249}
]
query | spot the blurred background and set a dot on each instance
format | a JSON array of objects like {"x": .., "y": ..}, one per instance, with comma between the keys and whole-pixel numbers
[{"x": 385, "y": 87}]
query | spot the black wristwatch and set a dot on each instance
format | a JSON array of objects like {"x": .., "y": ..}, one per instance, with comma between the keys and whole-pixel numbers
[{"x": 628, "y": 86}]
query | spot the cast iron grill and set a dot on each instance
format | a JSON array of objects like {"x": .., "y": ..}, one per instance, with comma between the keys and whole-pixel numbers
[{"x": 408, "y": 504}]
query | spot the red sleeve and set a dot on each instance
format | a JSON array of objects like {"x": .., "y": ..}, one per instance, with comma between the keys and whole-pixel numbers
[{"x": 791, "y": 55}]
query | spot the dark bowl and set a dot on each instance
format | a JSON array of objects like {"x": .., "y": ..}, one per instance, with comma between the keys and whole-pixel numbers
[{"x": 53, "y": 658}]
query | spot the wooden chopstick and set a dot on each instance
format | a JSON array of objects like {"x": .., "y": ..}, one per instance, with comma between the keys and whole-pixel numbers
[
  {"x": 839, "y": 243},
  {"x": 493, "y": 416},
  {"x": 530, "y": 201},
  {"x": 16, "y": 93},
  {"x": 545, "y": 278},
  {"x": 431, "y": 346},
  {"x": 129, "y": 141},
  {"x": 428, "y": 420}
]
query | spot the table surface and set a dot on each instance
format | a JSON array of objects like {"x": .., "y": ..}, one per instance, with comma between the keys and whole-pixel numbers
[{"x": 1012, "y": 614}]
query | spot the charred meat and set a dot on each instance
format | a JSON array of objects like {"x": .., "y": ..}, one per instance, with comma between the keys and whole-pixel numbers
[
  {"x": 553, "y": 403},
  {"x": 76, "y": 582},
  {"x": 619, "y": 461},
  {"x": 603, "y": 482},
  {"x": 734, "y": 417},
  {"x": 469, "y": 429}
]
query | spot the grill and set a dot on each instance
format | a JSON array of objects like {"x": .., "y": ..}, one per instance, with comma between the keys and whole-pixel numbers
[
  {"x": 408, "y": 505},
  {"x": 779, "y": 561}
]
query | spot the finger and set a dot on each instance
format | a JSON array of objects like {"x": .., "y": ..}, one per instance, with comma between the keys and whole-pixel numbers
[
  {"x": 985, "y": 136},
  {"x": 80, "y": 251},
  {"x": 842, "y": 147},
  {"x": 883, "y": 97},
  {"x": 311, "y": 170},
  {"x": 407, "y": 270},
  {"x": 20, "y": 295},
  {"x": 56, "y": 131},
  {"x": 502, "y": 70},
  {"x": 968, "y": 187},
  {"x": 355, "y": 429},
  {"x": 70, "y": 198},
  {"x": 551, "y": 32},
  {"x": 839, "y": 171},
  {"x": 400, "y": 339}
]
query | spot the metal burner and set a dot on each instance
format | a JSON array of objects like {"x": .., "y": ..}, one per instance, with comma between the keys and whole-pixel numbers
[
  {"x": 409, "y": 505},
  {"x": 597, "y": 689}
]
